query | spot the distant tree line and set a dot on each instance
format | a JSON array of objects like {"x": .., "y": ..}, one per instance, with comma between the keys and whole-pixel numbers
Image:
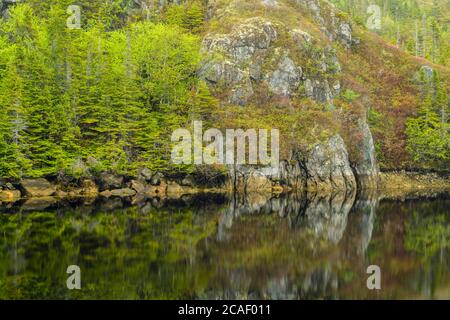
[{"x": 417, "y": 26}]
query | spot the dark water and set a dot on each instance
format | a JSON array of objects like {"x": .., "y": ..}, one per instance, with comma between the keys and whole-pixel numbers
[{"x": 211, "y": 246}]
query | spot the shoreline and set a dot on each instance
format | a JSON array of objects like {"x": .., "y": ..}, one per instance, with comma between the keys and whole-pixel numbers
[
  {"x": 400, "y": 184},
  {"x": 393, "y": 185}
]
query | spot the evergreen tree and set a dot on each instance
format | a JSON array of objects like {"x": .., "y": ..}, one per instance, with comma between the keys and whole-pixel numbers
[
  {"x": 12, "y": 118},
  {"x": 428, "y": 134}
]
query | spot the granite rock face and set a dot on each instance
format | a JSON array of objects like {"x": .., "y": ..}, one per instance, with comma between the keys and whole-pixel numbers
[
  {"x": 110, "y": 181},
  {"x": 366, "y": 168},
  {"x": 260, "y": 55},
  {"x": 286, "y": 78},
  {"x": 330, "y": 22},
  {"x": 38, "y": 187},
  {"x": 328, "y": 166},
  {"x": 325, "y": 167},
  {"x": 242, "y": 52},
  {"x": 245, "y": 178},
  {"x": 250, "y": 59}
]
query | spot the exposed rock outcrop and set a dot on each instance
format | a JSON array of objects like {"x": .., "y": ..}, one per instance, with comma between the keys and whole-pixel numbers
[
  {"x": 245, "y": 41},
  {"x": 328, "y": 167},
  {"x": 137, "y": 186},
  {"x": 366, "y": 168},
  {"x": 145, "y": 174},
  {"x": 110, "y": 181},
  {"x": 251, "y": 178},
  {"x": 248, "y": 60},
  {"x": 125, "y": 192},
  {"x": 89, "y": 188},
  {"x": 330, "y": 21},
  {"x": 251, "y": 59},
  {"x": 9, "y": 195},
  {"x": 286, "y": 77},
  {"x": 292, "y": 172},
  {"x": 325, "y": 167},
  {"x": 38, "y": 187},
  {"x": 4, "y": 4},
  {"x": 235, "y": 59}
]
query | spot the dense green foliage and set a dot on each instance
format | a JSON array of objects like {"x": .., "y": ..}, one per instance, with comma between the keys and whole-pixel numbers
[
  {"x": 104, "y": 97},
  {"x": 429, "y": 133},
  {"x": 418, "y": 27},
  {"x": 410, "y": 125}
]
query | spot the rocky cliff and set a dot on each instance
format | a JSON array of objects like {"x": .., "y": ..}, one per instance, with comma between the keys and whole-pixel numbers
[{"x": 264, "y": 59}]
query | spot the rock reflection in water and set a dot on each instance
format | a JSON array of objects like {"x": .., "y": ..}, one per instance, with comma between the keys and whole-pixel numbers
[
  {"x": 364, "y": 209},
  {"x": 325, "y": 215},
  {"x": 321, "y": 220}
]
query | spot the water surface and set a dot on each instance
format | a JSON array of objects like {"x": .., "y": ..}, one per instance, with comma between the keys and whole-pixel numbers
[{"x": 224, "y": 247}]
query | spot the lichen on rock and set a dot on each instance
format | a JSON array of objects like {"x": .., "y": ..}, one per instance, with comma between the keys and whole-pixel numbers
[{"x": 328, "y": 166}]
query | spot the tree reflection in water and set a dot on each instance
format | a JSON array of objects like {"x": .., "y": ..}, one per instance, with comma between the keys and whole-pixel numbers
[{"x": 261, "y": 246}]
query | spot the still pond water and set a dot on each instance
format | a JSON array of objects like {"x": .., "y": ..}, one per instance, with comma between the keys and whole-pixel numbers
[{"x": 222, "y": 247}]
